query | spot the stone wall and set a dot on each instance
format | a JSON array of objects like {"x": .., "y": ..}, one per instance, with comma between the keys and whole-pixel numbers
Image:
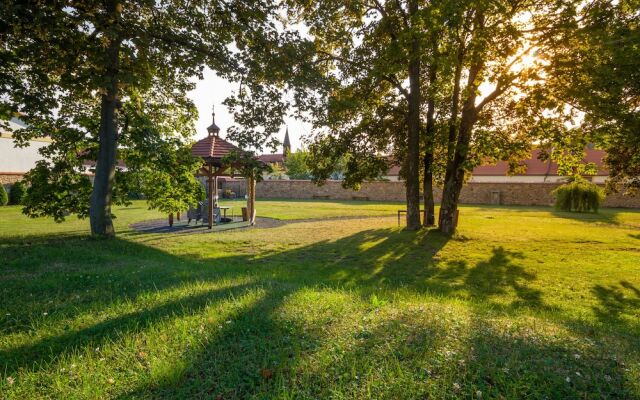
[
  {"x": 8, "y": 179},
  {"x": 472, "y": 193}
]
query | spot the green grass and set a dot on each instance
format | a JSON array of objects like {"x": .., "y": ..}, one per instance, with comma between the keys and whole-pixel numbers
[{"x": 521, "y": 303}]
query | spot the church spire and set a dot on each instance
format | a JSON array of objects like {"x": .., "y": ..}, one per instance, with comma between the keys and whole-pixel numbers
[
  {"x": 213, "y": 129},
  {"x": 286, "y": 145}
]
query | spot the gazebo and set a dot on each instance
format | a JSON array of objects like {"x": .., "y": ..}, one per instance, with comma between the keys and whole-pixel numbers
[{"x": 212, "y": 150}]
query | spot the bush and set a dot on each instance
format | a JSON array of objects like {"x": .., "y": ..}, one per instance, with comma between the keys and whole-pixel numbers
[
  {"x": 17, "y": 193},
  {"x": 4, "y": 199},
  {"x": 578, "y": 196}
]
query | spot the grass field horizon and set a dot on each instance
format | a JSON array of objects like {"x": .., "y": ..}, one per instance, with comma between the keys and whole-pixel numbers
[{"x": 521, "y": 302}]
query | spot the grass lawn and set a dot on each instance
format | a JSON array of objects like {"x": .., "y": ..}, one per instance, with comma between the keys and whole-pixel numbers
[{"x": 522, "y": 303}]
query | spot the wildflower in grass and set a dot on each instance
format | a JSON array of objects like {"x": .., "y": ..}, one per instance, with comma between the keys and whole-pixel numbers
[
  {"x": 479, "y": 394},
  {"x": 45, "y": 313},
  {"x": 111, "y": 381},
  {"x": 10, "y": 380},
  {"x": 576, "y": 356},
  {"x": 607, "y": 378},
  {"x": 456, "y": 386},
  {"x": 568, "y": 379}
]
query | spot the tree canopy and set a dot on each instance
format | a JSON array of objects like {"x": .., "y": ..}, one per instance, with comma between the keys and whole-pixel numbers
[{"x": 107, "y": 81}]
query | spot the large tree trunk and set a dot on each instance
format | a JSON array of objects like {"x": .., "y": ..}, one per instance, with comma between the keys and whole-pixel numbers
[
  {"x": 100, "y": 208},
  {"x": 413, "y": 137},
  {"x": 454, "y": 178},
  {"x": 429, "y": 202},
  {"x": 453, "y": 185}
]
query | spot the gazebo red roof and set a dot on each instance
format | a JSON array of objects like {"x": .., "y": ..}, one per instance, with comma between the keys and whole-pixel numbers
[{"x": 212, "y": 147}]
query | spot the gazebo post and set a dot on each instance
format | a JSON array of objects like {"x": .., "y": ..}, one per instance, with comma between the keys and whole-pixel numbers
[
  {"x": 210, "y": 197},
  {"x": 215, "y": 189}
]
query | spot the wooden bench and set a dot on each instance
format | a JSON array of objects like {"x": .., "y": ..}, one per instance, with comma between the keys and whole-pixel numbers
[
  {"x": 365, "y": 198},
  {"x": 321, "y": 196}
]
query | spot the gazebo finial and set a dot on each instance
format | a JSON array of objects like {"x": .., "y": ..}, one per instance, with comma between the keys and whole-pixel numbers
[{"x": 213, "y": 129}]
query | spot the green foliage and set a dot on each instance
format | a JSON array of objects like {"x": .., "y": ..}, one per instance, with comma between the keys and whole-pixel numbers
[
  {"x": 56, "y": 191},
  {"x": 603, "y": 88},
  {"x": 123, "y": 70},
  {"x": 17, "y": 193},
  {"x": 578, "y": 196},
  {"x": 4, "y": 198},
  {"x": 296, "y": 165},
  {"x": 247, "y": 164}
]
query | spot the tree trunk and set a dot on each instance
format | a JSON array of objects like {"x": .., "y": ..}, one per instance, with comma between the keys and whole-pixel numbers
[
  {"x": 429, "y": 203},
  {"x": 413, "y": 137},
  {"x": 251, "y": 200},
  {"x": 100, "y": 208},
  {"x": 455, "y": 170}
]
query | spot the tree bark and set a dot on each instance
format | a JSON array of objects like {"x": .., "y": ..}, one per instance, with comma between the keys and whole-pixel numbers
[
  {"x": 100, "y": 208},
  {"x": 251, "y": 200},
  {"x": 429, "y": 202},
  {"x": 454, "y": 178},
  {"x": 413, "y": 137}
]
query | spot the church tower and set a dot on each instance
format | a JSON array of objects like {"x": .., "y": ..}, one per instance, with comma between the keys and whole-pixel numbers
[{"x": 286, "y": 145}]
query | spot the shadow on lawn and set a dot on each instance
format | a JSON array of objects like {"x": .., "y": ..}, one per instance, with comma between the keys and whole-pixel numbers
[
  {"x": 259, "y": 352},
  {"x": 619, "y": 304}
]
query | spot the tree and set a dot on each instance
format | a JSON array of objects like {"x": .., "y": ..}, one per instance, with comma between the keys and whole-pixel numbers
[
  {"x": 117, "y": 81},
  {"x": 492, "y": 41},
  {"x": 17, "y": 193},
  {"x": 367, "y": 51},
  {"x": 253, "y": 171},
  {"x": 296, "y": 165},
  {"x": 4, "y": 198},
  {"x": 593, "y": 70}
]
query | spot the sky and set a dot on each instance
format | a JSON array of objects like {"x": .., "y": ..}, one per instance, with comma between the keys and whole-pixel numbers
[{"x": 212, "y": 90}]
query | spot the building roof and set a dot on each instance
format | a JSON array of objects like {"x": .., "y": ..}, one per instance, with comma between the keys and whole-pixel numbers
[
  {"x": 537, "y": 167},
  {"x": 212, "y": 147},
  {"x": 272, "y": 158}
]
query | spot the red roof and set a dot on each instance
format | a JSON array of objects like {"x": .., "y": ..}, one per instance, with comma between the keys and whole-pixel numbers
[
  {"x": 212, "y": 147},
  {"x": 271, "y": 158},
  {"x": 536, "y": 166}
]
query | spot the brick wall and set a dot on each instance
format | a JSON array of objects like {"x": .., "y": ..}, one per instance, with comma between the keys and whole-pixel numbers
[
  {"x": 8, "y": 179},
  {"x": 472, "y": 193}
]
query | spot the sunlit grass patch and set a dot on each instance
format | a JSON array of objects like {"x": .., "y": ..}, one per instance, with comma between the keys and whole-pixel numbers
[{"x": 521, "y": 302}]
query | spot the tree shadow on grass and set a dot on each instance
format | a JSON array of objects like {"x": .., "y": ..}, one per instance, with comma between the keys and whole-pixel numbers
[
  {"x": 603, "y": 216},
  {"x": 45, "y": 350},
  {"x": 619, "y": 305},
  {"x": 259, "y": 352},
  {"x": 500, "y": 273}
]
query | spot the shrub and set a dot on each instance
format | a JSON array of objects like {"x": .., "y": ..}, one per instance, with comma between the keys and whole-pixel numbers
[
  {"x": 17, "y": 193},
  {"x": 578, "y": 196},
  {"x": 4, "y": 199}
]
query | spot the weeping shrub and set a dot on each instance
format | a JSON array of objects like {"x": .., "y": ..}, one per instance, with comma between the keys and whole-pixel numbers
[
  {"x": 17, "y": 193},
  {"x": 578, "y": 196}
]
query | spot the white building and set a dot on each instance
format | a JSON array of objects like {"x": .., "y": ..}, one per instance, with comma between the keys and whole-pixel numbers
[{"x": 15, "y": 162}]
